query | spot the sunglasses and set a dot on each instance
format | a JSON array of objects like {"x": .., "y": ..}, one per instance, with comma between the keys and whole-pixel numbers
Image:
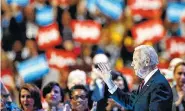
[
  {"x": 180, "y": 73},
  {"x": 79, "y": 96}
]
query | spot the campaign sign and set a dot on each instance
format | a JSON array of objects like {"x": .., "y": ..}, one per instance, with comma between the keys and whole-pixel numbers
[
  {"x": 60, "y": 59},
  {"x": 91, "y": 6},
  {"x": 174, "y": 11},
  {"x": 146, "y": 8},
  {"x": 7, "y": 78},
  {"x": 128, "y": 73},
  {"x": 150, "y": 31},
  {"x": 44, "y": 15},
  {"x": 182, "y": 24},
  {"x": 111, "y": 8},
  {"x": 33, "y": 69},
  {"x": 48, "y": 36},
  {"x": 63, "y": 2},
  {"x": 87, "y": 31},
  {"x": 22, "y": 3},
  {"x": 176, "y": 46}
]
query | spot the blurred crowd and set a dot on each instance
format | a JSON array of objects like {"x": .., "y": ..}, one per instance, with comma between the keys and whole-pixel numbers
[{"x": 77, "y": 87}]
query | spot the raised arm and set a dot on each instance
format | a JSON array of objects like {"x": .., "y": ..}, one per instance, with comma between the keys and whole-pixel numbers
[{"x": 123, "y": 98}]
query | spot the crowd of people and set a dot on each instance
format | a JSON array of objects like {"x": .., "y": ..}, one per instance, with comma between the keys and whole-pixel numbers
[{"x": 80, "y": 87}]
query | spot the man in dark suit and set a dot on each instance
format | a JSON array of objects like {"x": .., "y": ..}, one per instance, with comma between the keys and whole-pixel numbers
[{"x": 154, "y": 94}]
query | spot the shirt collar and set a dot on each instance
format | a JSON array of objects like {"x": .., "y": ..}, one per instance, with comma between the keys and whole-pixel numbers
[{"x": 150, "y": 75}]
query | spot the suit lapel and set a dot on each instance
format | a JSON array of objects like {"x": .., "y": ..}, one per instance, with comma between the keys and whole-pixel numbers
[{"x": 146, "y": 86}]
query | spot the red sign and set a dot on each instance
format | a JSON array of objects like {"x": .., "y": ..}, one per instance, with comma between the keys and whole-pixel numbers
[
  {"x": 149, "y": 31},
  {"x": 182, "y": 24},
  {"x": 7, "y": 78},
  {"x": 146, "y": 8},
  {"x": 60, "y": 2},
  {"x": 60, "y": 59},
  {"x": 48, "y": 36},
  {"x": 87, "y": 31},
  {"x": 176, "y": 46},
  {"x": 130, "y": 76}
]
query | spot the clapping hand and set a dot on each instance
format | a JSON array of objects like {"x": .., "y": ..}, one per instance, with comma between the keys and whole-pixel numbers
[{"x": 103, "y": 70}]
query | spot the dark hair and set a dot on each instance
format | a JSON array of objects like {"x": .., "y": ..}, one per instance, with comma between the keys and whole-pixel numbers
[
  {"x": 47, "y": 89},
  {"x": 115, "y": 76},
  {"x": 177, "y": 65},
  {"x": 78, "y": 87},
  {"x": 35, "y": 94}
]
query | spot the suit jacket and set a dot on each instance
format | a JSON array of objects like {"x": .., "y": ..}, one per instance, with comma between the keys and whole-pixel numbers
[
  {"x": 181, "y": 106},
  {"x": 156, "y": 95}
]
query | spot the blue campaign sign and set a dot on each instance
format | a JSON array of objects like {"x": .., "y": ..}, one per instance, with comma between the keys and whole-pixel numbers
[
  {"x": 9, "y": 1},
  {"x": 22, "y": 3},
  {"x": 91, "y": 5},
  {"x": 33, "y": 68},
  {"x": 174, "y": 11},
  {"x": 111, "y": 8},
  {"x": 44, "y": 15}
]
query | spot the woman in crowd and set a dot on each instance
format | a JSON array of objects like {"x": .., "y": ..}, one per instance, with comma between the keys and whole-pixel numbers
[
  {"x": 30, "y": 98},
  {"x": 79, "y": 98},
  {"x": 54, "y": 96},
  {"x": 179, "y": 88}
]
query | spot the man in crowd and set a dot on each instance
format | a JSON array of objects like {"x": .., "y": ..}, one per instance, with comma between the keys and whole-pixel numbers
[{"x": 154, "y": 94}]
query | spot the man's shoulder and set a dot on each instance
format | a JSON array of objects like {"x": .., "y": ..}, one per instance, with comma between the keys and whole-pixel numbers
[{"x": 159, "y": 79}]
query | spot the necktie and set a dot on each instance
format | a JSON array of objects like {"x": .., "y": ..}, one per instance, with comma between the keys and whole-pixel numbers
[{"x": 141, "y": 85}]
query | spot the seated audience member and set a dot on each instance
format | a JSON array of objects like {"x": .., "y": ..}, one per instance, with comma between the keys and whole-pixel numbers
[
  {"x": 179, "y": 88},
  {"x": 79, "y": 98},
  {"x": 54, "y": 96},
  {"x": 30, "y": 98}
]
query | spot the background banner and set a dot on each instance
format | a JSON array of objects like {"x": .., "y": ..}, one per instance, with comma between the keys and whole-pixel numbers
[
  {"x": 150, "y": 31},
  {"x": 87, "y": 31},
  {"x": 175, "y": 46},
  {"x": 111, "y": 8},
  {"x": 44, "y": 15},
  {"x": 33, "y": 68},
  {"x": 146, "y": 8},
  {"x": 174, "y": 11},
  {"x": 48, "y": 36},
  {"x": 60, "y": 58},
  {"x": 22, "y": 3}
]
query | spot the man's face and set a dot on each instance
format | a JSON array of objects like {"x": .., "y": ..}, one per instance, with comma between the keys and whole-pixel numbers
[
  {"x": 138, "y": 64},
  {"x": 136, "y": 61},
  {"x": 179, "y": 75},
  {"x": 79, "y": 100}
]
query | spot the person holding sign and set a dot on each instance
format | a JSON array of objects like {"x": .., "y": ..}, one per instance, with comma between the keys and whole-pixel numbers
[{"x": 154, "y": 94}]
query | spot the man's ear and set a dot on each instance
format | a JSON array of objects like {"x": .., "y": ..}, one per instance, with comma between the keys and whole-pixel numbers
[{"x": 147, "y": 61}]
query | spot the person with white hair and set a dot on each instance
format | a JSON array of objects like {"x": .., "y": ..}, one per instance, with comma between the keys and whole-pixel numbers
[
  {"x": 97, "y": 86},
  {"x": 153, "y": 94},
  {"x": 168, "y": 73},
  {"x": 98, "y": 58},
  {"x": 96, "y": 83},
  {"x": 76, "y": 77}
]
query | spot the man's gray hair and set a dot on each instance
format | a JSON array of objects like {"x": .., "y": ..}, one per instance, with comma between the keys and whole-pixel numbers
[{"x": 148, "y": 51}]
